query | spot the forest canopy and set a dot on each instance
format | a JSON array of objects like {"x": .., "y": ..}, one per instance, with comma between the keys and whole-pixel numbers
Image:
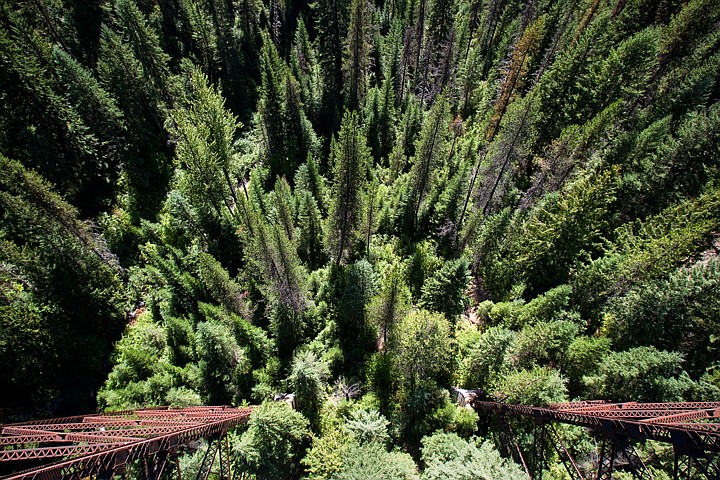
[{"x": 364, "y": 203}]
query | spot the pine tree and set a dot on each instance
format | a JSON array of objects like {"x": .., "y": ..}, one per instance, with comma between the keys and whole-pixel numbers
[
  {"x": 146, "y": 165},
  {"x": 57, "y": 275},
  {"x": 308, "y": 178},
  {"x": 379, "y": 118},
  {"x": 310, "y": 247},
  {"x": 390, "y": 305},
  {"x": 514, "y": 74},
  {"x": 356, "y": 56},
  {"x": 205, "y": 132},
  {"x": 284, "y": 208},
  {"x": 331, "y": 20},
  {"x": 200, "y": 35},
  {"x": 284, "y": 129},
  {"x": 145, "y": 44},
  {"x": 430, "y": 153},
  {"x": 41, "y": 127},
  {"x": 561, "y": 230},
  {"x": 350, "y": 157},
  {"x": 305, "y": 67},
  {"x": 444, "y": 291},
  {"x": 354, "y": 333}
]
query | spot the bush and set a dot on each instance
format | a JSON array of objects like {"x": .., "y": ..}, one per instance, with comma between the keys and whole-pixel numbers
[
  {"x": 642, "y": 374},
  {"x": 446, "y": 456}
]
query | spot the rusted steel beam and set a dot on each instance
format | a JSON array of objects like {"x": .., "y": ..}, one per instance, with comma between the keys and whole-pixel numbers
[
  {"x": 692, "y": 437},
  {"x": 107, "y": 438},
  {"x": 53, "y": 452},
  {"x": 78, "y": 426},
  {"x": 686, "y": 416},
  {"x": 25, "y": 431},
  {"x": 110, "y": 421},
  {"x": 24, "y": 439},
  {"x": 107, "y": 458},
  {"x": 639, "y": 414},
  {"x": 564, "y": 454}
]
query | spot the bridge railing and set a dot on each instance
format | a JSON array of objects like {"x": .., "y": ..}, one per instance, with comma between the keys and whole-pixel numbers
[
  {"x": 102, "y": 445},
  {"x": 690, "y": 427}
]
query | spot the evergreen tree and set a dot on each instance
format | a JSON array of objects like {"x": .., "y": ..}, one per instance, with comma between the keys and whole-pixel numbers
[
  {"x": 145, "y": 45},
  {"x": 350, "y": 161},
  {"x": 146, "y": 165},
  {"x": 352, "y": 318},
  {"x": 305, "y": 67},
  {"x": 284, "y": 129},
  {"x": 310, "y": 237},
  {"x": 41, "y": 127},
  {"x": 356, "y": 55},
  {"x": 331, "y": 20},
  {"x": 390, "y": 305},
  {"x": 643, "y": 373},
  {"x": 58, "y": 276},
  {"x": 199, "y": 33},
  {"x": 205, "y": 132},
  {"x": 444, "y": 291},
  {"x": 380, "y": 119},
  {"x": 273, "y": 442},
  {"x": 430, "y": 152}
]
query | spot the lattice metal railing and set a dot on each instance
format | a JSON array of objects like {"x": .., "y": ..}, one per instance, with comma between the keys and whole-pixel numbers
[{"x": 103, "y": 445}]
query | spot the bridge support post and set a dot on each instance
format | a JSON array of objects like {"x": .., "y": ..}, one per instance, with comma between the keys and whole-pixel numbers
[
  {"x": 225, "y": 459},
  {"x": 639, "y": 470},
  {"x": 539, "y": 440},
  {"x": 209, "y": 458},
  {"x": 606, "y": 461},
  {"x": 570, "y": 464},
  {"x": 509, "y": 441}
]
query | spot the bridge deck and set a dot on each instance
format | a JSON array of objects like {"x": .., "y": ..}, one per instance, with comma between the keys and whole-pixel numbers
[{"x": 90, "y": 445}]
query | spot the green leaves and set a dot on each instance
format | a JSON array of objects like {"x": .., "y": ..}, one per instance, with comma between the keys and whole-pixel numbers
[
  {"x": 448, "y": 456},
  {"x": 444, "y": 291},
  {"x": 350, "y": 158},
  {"x": 205, "y": 132},
  {"x": 643, "y": 374},
  {"x": 272, "y": 444}
]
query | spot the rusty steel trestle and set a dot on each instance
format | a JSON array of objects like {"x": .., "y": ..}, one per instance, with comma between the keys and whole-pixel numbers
[
  {"x": 690, "y": 427},
  {"x": 103, "y": 445}
]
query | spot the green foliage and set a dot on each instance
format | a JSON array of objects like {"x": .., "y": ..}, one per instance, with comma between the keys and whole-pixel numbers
[
  {"x": 423, "y": 350},
  {"x": 59, "y": 276},
  {"x": 350, "y": 161},
  {"x": 545, "y": 343},
  {"x": 325, "y": 458},
  {"x": 352, "y": 320},
  {"x": 562, "y": 230},
  {"x": 205, "y": 131},
  {"x": 565, "y": 154},
  {"x": 446, "y": 455},
  {"x": 680, "y": 310},
  {"x": 371, "y": 461},
  {"x": 486, "y": 360},
  {"x": 284, "y": 130},
  {"x": 646, "y": 250},
  {"x": 444, "y": 291},
  {"x": 583, "y": 358},
  {"x": 539, "y": 386},
  {"x": 643, "y": 373},
  {"x": 271, "y": 446},
  {"x": 308, "y": 376},
  {"x": 389, "y": 306},
  {"x": 220, "y": 360},
  {"x": 367, "y": 427}
]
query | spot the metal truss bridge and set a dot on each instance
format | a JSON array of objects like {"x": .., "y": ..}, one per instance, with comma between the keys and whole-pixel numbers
[
  {"x": 105, "y": 445},
  {"x": 147, "y": 442},
  {"x": 690, "y": 427}
]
